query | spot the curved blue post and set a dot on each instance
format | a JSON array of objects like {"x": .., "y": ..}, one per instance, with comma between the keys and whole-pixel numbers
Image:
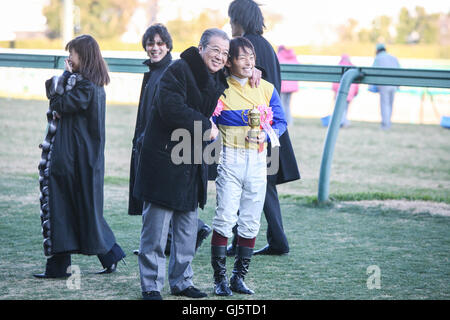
[{"x": 333, "y": 129}]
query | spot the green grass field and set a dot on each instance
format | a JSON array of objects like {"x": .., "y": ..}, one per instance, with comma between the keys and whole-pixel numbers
[{"x": 390, "y": 208}]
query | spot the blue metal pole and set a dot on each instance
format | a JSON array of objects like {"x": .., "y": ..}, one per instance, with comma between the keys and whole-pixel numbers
[{"x": 327, "y": 156}]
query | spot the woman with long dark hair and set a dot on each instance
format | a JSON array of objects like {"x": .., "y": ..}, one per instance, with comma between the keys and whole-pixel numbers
[{"x": 71, "y": 169}]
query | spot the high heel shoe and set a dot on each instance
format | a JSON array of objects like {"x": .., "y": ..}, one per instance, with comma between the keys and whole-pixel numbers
[{"x": 111, "y": 268}]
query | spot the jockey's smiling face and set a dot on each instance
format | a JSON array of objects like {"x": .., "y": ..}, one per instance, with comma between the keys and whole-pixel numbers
[{"x": 242, "y": 65}]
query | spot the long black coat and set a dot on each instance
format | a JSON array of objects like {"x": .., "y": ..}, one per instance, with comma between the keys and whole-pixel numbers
[
  {"x": 77, "y": 172},
  {"x": 267, "y": 59},
  {"x": 187, "y": 93},
  {"x": 148, "y": 90}
]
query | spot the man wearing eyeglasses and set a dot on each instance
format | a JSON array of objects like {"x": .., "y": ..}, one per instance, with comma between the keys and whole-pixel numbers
[
  {"x": 157, "y": 42},
  {"x": 186, "y": 97}
]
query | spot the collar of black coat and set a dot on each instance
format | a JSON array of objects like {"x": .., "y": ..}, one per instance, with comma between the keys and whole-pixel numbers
[
  {"x": 164, "y": 61},
  {"x": 147, "y": 63},
  {"x": 199, "y": 69}
]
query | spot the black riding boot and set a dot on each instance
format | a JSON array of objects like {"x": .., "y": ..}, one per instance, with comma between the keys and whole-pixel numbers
[
  {"x": 231, "y": 250},
  {"x": 241, "y": 264},
  {"x": 218, "y": 262},
  {"x": 56, "y": 267}
]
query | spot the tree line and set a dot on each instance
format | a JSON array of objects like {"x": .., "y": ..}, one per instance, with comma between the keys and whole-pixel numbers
[
  {"x": 108, "y": 19},
  {"x": 411, "y": 27}
]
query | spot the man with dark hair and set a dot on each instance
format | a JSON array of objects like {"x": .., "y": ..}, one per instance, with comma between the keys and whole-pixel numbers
[
  {"x": 172, "y": 192},
  {"x": 157, "y": 42},
  {"x": 246, "y": 20}
]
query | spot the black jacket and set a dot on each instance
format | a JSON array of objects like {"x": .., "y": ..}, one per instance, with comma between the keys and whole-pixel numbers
[
  {"x": 148, "y": 90},
  {"x": 186, "y": 99},
  {"x": 77, "y": 172},
  {"x": 267, "y": 59}
]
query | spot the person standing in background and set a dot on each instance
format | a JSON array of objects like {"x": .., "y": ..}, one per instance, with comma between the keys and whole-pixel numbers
[
  {"x": 387, "y": 93},
  {"x": 287, "y": 56},
  {"x": 157, "y": 42},
  {"x": 353, "y": 91}
]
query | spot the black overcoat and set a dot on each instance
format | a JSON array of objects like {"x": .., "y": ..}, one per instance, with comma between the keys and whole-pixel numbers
[
  {"x": 267, "y": 59},
  {"x": 76, "y": 173},
  {"x": 186, "y": 98},
  {"x": 148, "y": 89}
]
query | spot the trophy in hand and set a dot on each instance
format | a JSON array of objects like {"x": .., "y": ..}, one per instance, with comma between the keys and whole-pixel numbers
[{"x": 254, "y": 121}]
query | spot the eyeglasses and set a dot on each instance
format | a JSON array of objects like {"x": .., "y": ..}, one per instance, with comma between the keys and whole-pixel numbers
[
  {"x": 158, "y": 43},
  {"x": 217, "y": 52}
]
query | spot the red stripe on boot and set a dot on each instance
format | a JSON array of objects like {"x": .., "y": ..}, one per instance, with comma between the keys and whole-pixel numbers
[
  {"x": 218, "y": 240},
  {"x": 243, "y": 242}
]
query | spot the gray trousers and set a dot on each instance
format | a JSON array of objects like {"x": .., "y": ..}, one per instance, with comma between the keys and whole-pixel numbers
[
  {"x": 286, "y": 102},
  {"x": 344, "y": 120},
  {"x": 152, "y": 260},
  {"x": 387, "y": 94}
]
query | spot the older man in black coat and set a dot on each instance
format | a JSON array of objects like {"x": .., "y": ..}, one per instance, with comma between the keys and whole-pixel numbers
[{"x": 172, "y": 184}]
